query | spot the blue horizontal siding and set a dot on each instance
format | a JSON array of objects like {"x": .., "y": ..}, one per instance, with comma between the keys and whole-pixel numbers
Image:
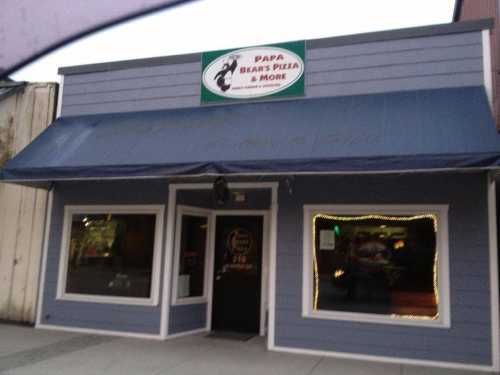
[
  {"x": 440, "y": 61},
  {"x": 398, "y": 58},
  {"x": 171, "y": 70},
  {"x": 133, "y": 94},
  {"x": 184, "y": 318},
  {"x": 375, "y": 48},
  {"x": 469, "y": 338},
  {"x": 130, "y": 82}
]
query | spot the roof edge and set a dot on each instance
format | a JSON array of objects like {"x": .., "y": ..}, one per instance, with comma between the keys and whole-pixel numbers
[
  {"x": 378, "y": 36},
  {"x": 407, "y": 33}
]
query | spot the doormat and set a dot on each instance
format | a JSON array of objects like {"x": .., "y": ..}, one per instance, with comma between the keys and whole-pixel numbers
[{"x": 227, "y": 335}]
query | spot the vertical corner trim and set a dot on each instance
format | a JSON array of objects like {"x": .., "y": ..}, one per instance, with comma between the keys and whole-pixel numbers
[
  {"x": 167, "y": 261},
  {"x": 273, "y": 238},
  {"x": 41, "y": 274},
  {"x": 487, "y": 72},
  {"x": 494, "y": 294},
  {"x": 59, "y": 98}
]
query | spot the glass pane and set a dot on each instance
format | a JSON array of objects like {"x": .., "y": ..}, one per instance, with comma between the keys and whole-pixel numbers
[
  {"x": 111, "y": 255},
  {"x": 192, "y": 256},
  {"x": 376, "y": 264}
]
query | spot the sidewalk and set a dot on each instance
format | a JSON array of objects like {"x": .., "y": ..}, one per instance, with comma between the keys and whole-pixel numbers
[{"x": 26, "y": 351}]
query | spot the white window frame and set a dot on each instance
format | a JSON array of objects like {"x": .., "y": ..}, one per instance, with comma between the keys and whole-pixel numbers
[
  {"x": 69, "y": 211},
  {"x": 441, "y": 212},
  {"x": 199, "y": 212}
]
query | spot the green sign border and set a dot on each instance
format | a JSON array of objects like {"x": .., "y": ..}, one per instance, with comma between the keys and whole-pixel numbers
[{"x": 297, "y": 89}]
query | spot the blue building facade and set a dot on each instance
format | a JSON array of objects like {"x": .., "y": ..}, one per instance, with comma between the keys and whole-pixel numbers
[{"x": 357, "y": 220}]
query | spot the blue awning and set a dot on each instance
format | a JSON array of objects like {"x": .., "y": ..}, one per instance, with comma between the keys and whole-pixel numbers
[{"x": 419, "y": 130}]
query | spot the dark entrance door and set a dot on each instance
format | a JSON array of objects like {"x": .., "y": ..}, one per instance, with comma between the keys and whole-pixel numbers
[{"x": 237, "y": 273}]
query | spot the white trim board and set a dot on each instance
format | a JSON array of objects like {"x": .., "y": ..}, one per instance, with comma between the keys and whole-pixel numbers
[
  {"x": 41, "y": 278},
  {"x": 99, "y": 332},
  {"x": 264, "y": 285},
  {"x": 199, "y": 212},
  {"x": 187, "y": 333},
  {"x": 493, "y": 255},
  {"x": 60, "y": 97},
  {"x": 167, "y": 262},
  {"x": 487, "y": 70},
  {"x": 383, "y": 359},
  {"x": 273, "y": 243},
  {"x": 69, "y": 211}
]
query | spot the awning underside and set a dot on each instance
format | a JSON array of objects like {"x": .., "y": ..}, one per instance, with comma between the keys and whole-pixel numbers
[{"x": 422, "y": 130}]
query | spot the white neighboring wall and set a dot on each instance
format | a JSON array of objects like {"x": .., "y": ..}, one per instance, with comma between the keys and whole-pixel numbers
[{"x": 23, "y": 115}]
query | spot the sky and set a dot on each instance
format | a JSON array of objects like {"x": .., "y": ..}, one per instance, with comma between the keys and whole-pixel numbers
[{"x": 206, "y": 25}]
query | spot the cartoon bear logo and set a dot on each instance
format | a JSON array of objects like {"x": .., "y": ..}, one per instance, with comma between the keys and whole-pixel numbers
[{"x": 224, "y": 76}]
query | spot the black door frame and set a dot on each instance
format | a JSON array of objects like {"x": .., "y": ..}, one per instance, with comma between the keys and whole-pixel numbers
[{"x": 264, "y": 288}]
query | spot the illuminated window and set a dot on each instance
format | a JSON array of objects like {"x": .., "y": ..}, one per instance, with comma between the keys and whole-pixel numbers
[
  {"x": 190, "y": 262},
  {"x": 110, "y": 254},
  {"x": 376, "y": 263}
]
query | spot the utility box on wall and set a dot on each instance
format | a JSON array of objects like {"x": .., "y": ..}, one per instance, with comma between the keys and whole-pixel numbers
[{"x": 25, "y": 110}]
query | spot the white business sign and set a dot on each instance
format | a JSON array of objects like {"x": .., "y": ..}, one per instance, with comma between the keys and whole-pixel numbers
[{"x": 253, "y": 72}]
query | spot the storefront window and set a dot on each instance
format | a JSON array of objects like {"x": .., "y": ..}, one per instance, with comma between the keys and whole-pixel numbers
[
  {"x": 192, "y": 256},
  {"x": 375, "y": 264},
  {"x": 190, "y": 260},
  {"x": 110, "y": 254}
]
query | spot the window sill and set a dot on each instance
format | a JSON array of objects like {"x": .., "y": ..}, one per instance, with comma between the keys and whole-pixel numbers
[
  {"x": 376, "y": 319},
  {"x": 107, "y": 299}
]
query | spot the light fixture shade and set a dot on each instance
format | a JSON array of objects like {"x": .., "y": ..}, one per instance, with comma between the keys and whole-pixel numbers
[{"x": 221, "y": 191}]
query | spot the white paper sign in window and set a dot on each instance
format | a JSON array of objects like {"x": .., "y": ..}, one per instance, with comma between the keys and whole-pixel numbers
[{"x": 327, "y": 239}]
